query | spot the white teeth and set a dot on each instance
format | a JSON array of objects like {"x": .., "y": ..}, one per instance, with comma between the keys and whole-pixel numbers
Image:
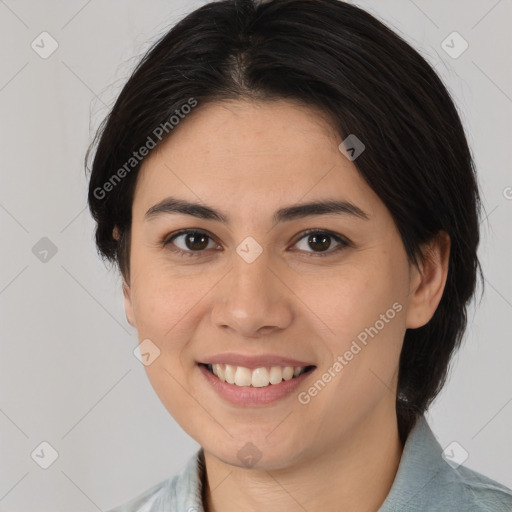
[
  {"x": 287, "y": 372},
  {"x": 219, "y": 371},
  {"x": 229, "y": 374},
  {"x": 276, "y": 375},
  {"x": 258, "y": 378},
  {"x": 243, "y": 376}
]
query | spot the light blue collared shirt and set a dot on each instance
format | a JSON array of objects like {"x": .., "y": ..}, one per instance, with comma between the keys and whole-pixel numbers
[{"x": 424, "y": 482}]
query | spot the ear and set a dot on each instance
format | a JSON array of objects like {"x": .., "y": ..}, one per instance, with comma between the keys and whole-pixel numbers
[
  {"x": 428, "y": 281},
  {"x": 128, "y": 305}
]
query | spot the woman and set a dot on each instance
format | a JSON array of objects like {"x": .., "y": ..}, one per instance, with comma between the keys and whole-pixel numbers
[{"x": 289, "y": 195}]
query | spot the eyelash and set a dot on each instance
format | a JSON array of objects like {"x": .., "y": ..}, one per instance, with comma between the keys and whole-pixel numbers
[{"x": 168, "y": 239}]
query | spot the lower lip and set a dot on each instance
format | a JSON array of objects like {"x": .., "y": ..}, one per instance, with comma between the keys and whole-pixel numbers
[{"x": 248, "y": 396}]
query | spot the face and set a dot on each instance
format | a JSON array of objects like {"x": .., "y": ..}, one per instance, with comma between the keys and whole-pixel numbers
[{"x": 334, "y": 291}]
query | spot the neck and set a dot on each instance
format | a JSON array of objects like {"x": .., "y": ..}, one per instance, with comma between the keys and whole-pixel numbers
[{"x": 355, "y": 475}]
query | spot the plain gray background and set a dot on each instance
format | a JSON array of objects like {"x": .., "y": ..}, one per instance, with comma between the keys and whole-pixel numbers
[{"x": 68, "y": 375}]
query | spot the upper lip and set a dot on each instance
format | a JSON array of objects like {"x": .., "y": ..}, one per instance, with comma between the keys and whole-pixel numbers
[{"x": 252, "y": 362}]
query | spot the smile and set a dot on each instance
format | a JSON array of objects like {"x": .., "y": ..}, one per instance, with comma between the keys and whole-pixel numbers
[
  {"x": 257, "y": 377},
  {"x": 247, "y": 395}
]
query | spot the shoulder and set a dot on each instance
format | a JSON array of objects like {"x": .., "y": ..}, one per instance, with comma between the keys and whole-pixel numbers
[
  {"x": 469, "y": 490},
  {"x": 181, "y": 493},
  {"x": 426, "y": 481},
  {"x": 156, "y": 498}
]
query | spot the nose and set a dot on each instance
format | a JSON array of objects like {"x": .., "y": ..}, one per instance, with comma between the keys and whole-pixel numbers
[{"x": 252, "y": 300}]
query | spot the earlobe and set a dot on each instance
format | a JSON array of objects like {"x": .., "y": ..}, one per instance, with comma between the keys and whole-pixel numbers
[
  {"x": 428, "y": 282},
  {"x": 128, "y": 305}
]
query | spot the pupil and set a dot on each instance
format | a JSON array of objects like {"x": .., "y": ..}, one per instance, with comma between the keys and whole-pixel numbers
[
  {"x": 326, "y": 240},
  {"x": 195, "y": 238}
]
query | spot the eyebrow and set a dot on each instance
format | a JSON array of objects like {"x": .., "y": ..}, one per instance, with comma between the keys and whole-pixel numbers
[{"x": 171, "y": 205}]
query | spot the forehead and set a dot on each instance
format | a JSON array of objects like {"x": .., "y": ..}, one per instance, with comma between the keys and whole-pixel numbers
[
  {"x": 265, "y": 151},
  {"x": 226, "y": 130}
]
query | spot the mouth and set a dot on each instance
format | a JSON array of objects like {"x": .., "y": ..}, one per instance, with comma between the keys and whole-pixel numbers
[{"x": 262, "y": 377}]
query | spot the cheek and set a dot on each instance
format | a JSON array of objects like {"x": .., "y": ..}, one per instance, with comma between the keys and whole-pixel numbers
[
  {"x": 169, "y": 307},
  {"x": 161, "y": 307},
  {"x": 364, "y": 308},
  {"x": 352, "y": 298},
  {"x": 371, "y": 324}
]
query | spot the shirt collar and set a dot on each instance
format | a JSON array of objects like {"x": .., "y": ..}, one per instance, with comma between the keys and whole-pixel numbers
[
  {"x": 421, "y": 461},
  {"x": 190, "y": 484}
]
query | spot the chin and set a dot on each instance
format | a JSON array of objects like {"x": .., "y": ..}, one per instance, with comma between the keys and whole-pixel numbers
[{"x": 257, "y": 452}]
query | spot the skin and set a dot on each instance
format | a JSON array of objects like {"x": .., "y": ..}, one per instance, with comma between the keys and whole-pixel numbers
[{"x": 247, "y": 159}]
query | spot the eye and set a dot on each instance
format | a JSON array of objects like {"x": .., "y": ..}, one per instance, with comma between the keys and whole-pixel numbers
[
  {"x": 196, "y": 241},
  {"x": 320, "y": 239}
]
